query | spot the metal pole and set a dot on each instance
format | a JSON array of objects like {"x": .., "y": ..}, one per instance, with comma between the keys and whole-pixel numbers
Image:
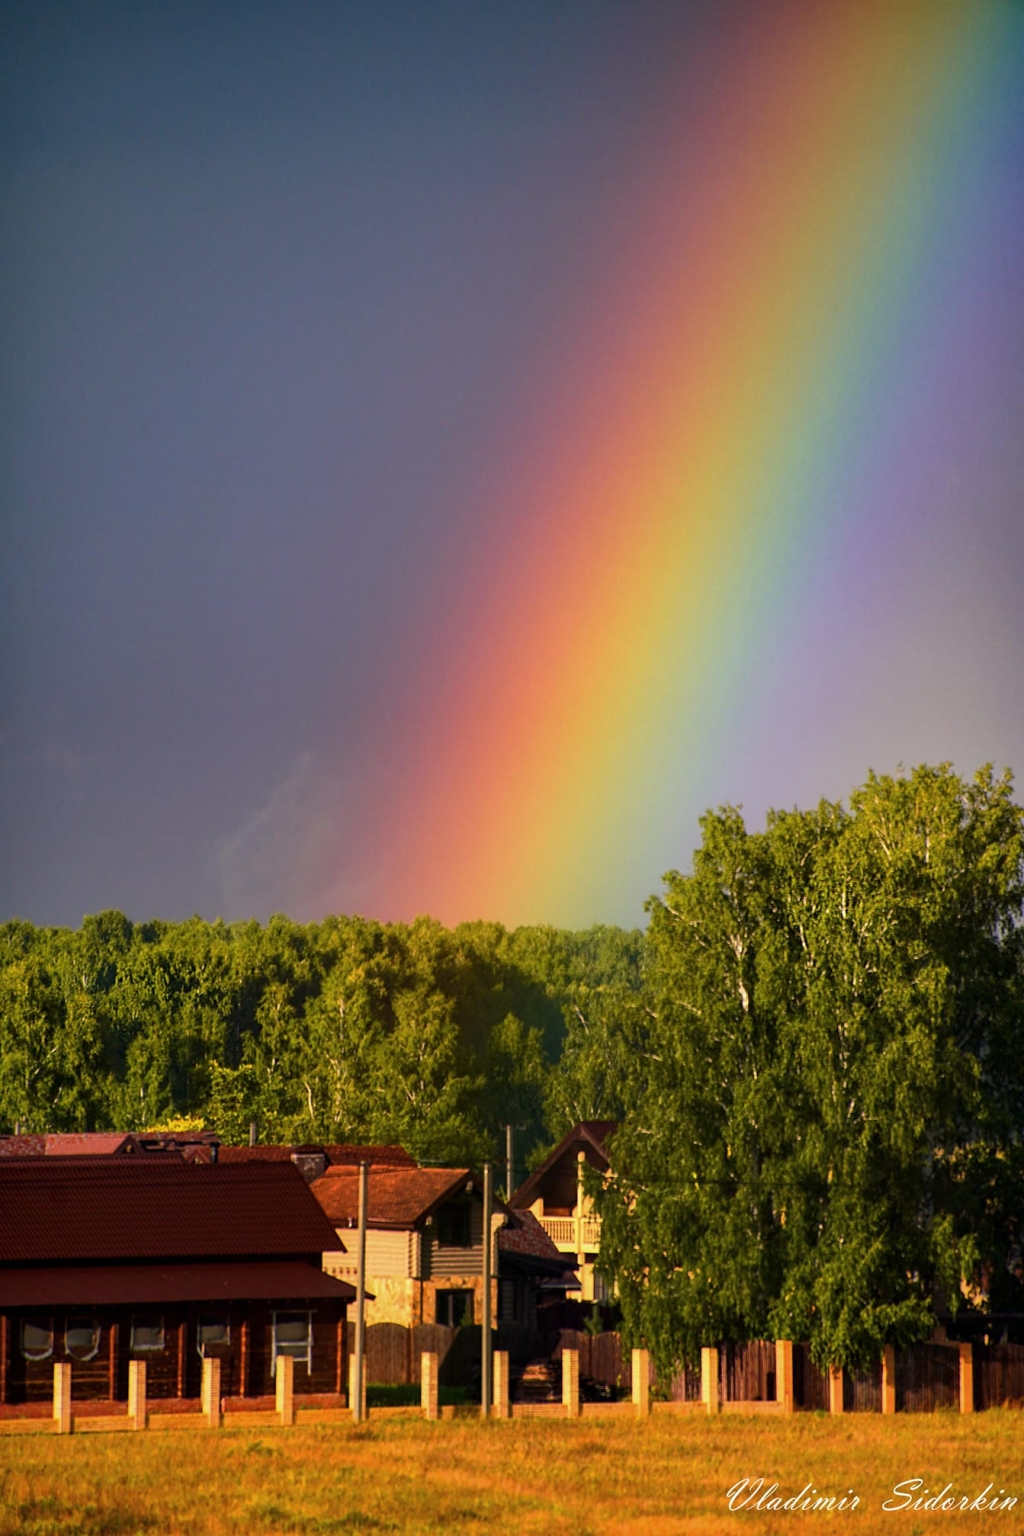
[
  {"x": 509, "y": 1163},
  {"x": 485, "y": 1319},
  {"x": 357, "y": 1406}
]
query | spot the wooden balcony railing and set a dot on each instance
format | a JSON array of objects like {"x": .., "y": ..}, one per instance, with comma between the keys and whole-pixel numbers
[{"x": 570, "y": 1234}]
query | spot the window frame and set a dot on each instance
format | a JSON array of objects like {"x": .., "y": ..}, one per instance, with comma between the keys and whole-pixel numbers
[
  {"x": 451, "y": 1214},
  {"x": 135, "y": 1348},
  {"x": 46, "y": 1354},
  {"x": 468, "y": 1297},
  {"x": 292, "y": 1313},
  {"x": 78, "y": 1321},
  {"x": 204, "y": 1345}
]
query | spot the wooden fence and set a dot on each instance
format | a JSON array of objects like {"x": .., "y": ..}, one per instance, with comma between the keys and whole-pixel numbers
[
  {"x": 999, "y": 1376},
  {"x": 927, "y": 1375}
]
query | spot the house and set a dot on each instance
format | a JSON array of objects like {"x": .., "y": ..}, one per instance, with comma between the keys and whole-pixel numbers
[
  {"x": 108, "y": 1259},
  {"x": 424, "y": 1241},
  {"x": 424, "y": 1246},
  {"x": 554, "y": 1195}
]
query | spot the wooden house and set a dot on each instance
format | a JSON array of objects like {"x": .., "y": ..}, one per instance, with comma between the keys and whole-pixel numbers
[
  {"x": 424, "y": 1246},
  {"x": 554, "y": 1194},
  {"x": 108, "y": 1259}
]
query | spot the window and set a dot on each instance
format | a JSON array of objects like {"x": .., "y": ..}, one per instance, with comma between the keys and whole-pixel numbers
[
  {"x": 82, "y": 1338},
  {"x": 454, "y": 1309},
  {"x": 214, "y": 1330},
  {"x": 293, "y": 1335},
  {"x": 453, "y": 1226},
  {"x": 147, "y": 1334},
  {"x": 37, "y": 1338}
]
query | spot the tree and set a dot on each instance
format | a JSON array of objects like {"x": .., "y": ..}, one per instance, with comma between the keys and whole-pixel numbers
[{"x": 835, "y": 1007}]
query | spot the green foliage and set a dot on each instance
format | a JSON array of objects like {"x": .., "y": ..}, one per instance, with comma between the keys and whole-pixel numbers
[
  {"x": 347, "y": 1030},
  {"x": 825, "y": 1140}
]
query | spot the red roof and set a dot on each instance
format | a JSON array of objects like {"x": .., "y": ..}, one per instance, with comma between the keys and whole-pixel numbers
[
  {"x": 140, "y": 1284},
  {"x": 389, "y": 1156},
  {"x": 396, "y": 1197},
  {"x": 123, "y": 1208},
  {"x": 88, "y": 1143},
  {"x": 69, "y": 1144}
]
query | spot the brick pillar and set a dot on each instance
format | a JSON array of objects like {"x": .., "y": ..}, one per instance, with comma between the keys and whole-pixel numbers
[
  {"x": 137, "y": 1393},
  {"x": 966, "y": 1377},
  {"x": 888, "y": 1379},
  {"x": 709, "y": 1379},
  {"x": 835, "y": 1389},
  {"x": 211, "y": 1391},
  {"x": 428, "y": 1385},
  {"x": 641, "y": 1383},
  {"x": 284, "y": 1381},
  {"x": 571, "y": 1382},
  {"x": 784, "y": 1375},
  {"x": 62, "y": 1398},
  {"x": 500, "y": 1408}
]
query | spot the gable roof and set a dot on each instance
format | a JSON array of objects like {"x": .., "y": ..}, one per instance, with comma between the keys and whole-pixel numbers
[
  {"x": 124, "y": 1208},
  {"x": 586, "y": 1135},
  {"x": 396, "y": 1197}
]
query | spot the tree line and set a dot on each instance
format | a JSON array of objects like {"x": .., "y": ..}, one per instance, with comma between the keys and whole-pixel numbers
[
  {"x": 814, "y": 1052},
  {"x": 344, "y": 1030}
]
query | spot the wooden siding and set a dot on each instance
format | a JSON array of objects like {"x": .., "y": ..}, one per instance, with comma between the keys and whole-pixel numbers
[
  {"x": 387, "y": 1253},
  {"x": 443, "y": 1261},
  {"x": 176, "y": 1370}
]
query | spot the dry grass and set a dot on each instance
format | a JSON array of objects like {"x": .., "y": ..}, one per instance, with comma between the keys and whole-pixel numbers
[{"x": 537, "y": 1477}]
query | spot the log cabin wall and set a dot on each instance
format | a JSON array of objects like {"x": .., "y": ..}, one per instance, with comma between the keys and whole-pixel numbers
[{"x": 174, "y": 1371}]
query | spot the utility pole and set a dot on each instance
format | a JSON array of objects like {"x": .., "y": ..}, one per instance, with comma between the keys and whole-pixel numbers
[
  {"x": 357, "y": 1388},
  {"x": 510, "y": 1164},
  {"x": 485, "y": 1310}
]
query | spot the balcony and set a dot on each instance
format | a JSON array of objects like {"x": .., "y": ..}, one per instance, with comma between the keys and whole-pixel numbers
[{"x": 573, "y": 1234}]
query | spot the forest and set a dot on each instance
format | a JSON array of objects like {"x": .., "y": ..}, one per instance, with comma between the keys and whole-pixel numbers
[
  {"x": 814, "y": 1051},
  {"x": 344, "y": 1030}
]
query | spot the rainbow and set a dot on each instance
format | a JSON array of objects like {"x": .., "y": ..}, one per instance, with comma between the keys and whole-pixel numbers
[{"x": 773, "y": 330}]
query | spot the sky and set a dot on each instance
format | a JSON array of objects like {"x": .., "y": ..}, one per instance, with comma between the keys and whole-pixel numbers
[{"x": 447, "y": 447}]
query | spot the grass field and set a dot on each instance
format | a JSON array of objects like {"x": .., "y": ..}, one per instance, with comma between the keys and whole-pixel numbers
[{"x": 539, "y": 1477}]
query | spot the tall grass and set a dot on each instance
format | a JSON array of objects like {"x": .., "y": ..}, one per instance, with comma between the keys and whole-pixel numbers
[{"x": 537, "y": 1477}]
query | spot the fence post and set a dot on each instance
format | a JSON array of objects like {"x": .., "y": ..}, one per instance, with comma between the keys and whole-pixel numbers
[
  {"x": 62, "y": 1398},
  {"x": 571, "y": 1382},
  {"x": 966, "y": 1377},
  {"x": 709, "y": 1379},
  {"x": 428, "y": 1385},
  {"x": 211, "y": 1391},
  {"x": 352, "y": 1374},
  {"x": 641, "y": 1383},
  {"x": 784, "y": 1374},
  {"x": 889, "y": 1379},
  {"x": 137, "y": 1394},
  {"x": 835, "y": 1389},
  {"x": 285, "y": 1389},
  {"x": 500, "y": 1407}
]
